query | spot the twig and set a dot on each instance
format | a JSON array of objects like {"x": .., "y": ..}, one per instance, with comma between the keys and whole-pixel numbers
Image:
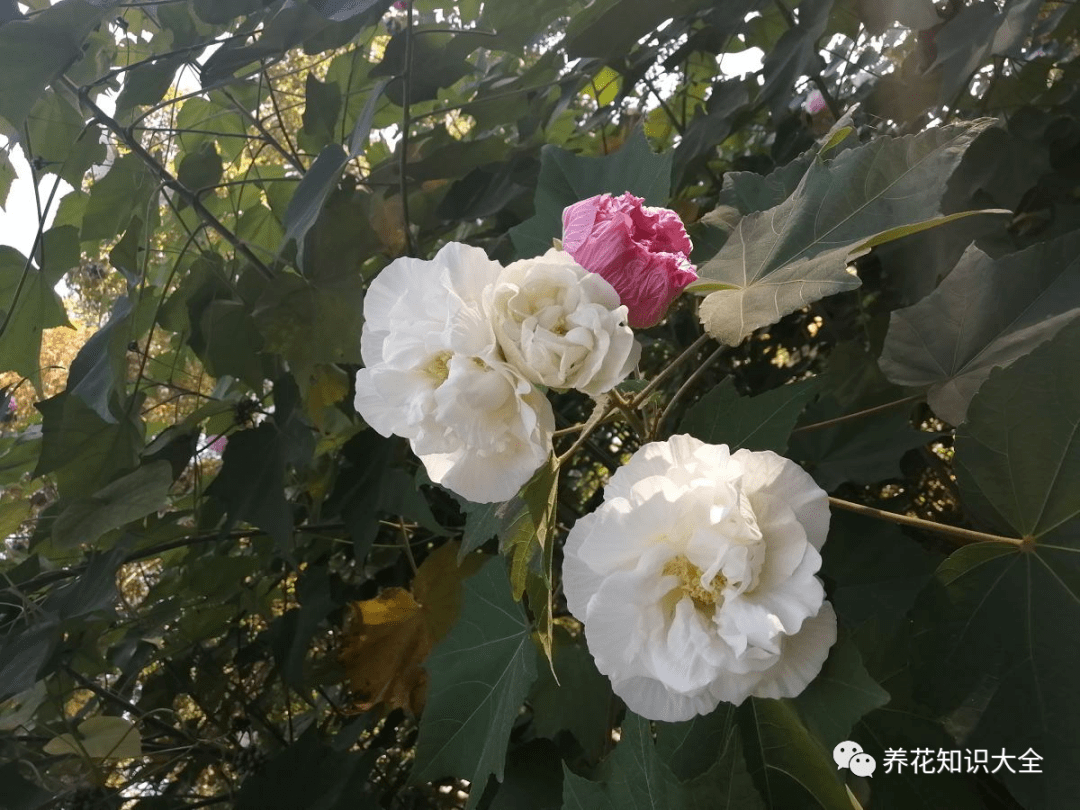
[
  {"x": 410, "y": 248},
  {"x": 290, "y": 157},
  {"x": 685, "y": 387},
  {"x": 963, "y": 536},
  {"x": 168, "y": 180},
  {"x": 667, "y": 372},
  {"x": 859, "y": 414}
]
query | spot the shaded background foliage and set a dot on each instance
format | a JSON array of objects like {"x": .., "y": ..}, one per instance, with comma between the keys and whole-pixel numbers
[{"x": 183, "y": 607}]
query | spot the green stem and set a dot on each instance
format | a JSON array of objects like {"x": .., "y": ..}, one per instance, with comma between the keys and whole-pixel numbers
[
  {"x": 963, "y": 536},
  {"x": 859, "y": 414}
]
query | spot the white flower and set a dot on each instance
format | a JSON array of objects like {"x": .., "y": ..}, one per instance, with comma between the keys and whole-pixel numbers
[
  {"x": 434, "y": 375},
  {"x": 695, "y": 578},
  {"x": 561, "y": 325}
]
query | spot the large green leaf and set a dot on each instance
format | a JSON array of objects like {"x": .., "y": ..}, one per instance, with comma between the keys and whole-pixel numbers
[
  {"x": 706, "y": 755},
  {"x": 566, "y": 178},
  {"x": 33, "y": 52},
  {"x": 840, "y": 694},
  {"x": 579, "y": 702},
  {"x": 28, "y": 304},
  {"x": 790, "y": 767},
  {"x": 127, "y": 190},
  {"x": 128, "y": 498},
  {"x": 1000, "y": 619},
  {"x": 61, "y": 138},
  {"x": 985, "y": 314},
  {"x": 779, "y": 260},
  {"x": 82, "y": 449},
  {"x": 877, "y": 570},
  {"x": 763, "y": 422},
  {"x": 479, "y": 676}
]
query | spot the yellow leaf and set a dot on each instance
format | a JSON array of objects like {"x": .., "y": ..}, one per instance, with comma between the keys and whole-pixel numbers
[
  {"x": 329, "y": 385},
  {"x": 657, "y": 124},
  {"x": 388, "y": 637},
  {"x": 99, "y": 738},
  {"x": 605, "y": 86}
]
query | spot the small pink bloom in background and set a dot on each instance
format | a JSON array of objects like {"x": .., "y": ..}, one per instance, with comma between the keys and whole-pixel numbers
[
  {"x": 400, "y": 5},
  {"x": 642, "y": 252},
  {"x": 815, "y": 103},
  {"x": 218, "y": 445}
]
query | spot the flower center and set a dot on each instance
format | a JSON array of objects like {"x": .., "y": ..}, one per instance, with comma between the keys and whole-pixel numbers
[
  {"x": 439, "y": 368},
  {"x": 689, "y": 576}
]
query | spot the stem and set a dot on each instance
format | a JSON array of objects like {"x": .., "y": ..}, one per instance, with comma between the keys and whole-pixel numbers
[
  {"x": 624, "y": 408},
  {"x": 290, "y": 157},
  {"x": 963, "y": 536},
  {"x": 168, "y": 180},
  {"x": 405, "y": 544},
  {"x": 404, "y": 167},
  {"x": 635, "y": 403},
  {"x": 859, "y": 414},
  {"x": 685, "y": 387}
]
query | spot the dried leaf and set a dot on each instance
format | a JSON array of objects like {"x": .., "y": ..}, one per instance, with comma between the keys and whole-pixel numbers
[{"x": 390, "y": 636}]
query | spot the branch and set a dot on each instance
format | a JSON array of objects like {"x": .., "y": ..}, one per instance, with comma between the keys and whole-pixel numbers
[
  {"x": 167, "y": 179},
  {"x": 962, "y": 536},
  {"x": 404, "y": 167},
  {"x": 859, "y": 414}
]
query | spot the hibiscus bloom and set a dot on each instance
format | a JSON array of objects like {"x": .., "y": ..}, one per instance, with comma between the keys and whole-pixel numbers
[{"x": 696, "y": 578}]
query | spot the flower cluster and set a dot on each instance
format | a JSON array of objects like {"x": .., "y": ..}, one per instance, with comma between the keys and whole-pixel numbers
[
  {"x": 696, "y": 578},
  {"x": 454, "y": 349}
]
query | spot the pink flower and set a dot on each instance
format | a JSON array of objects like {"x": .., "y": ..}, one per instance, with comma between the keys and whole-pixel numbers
[
  {"x": 815, "y": 103},
  {"x": 640, "y": 251}
]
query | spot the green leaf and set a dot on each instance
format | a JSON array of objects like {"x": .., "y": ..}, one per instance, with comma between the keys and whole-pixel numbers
[
  {"x": 99, "y": 738},
  {"x": 839, "y": 695},
  {"x": 581, "y": 794},
  {"x": 7, "y": 175},
  {"x": 1002, "y": 616},
  {"x": 251, "y": 482},
  {"x": 321, "y": 108},
  {"x": 59, "y": 136},
  {"x": 1018, "y": 455},
  {"x": 146, "y": 84},
  {"x": 18, "y": 793},
  {"x": 37, "y": 307},
  {"x": 878, "y": 570},
  {"x": 789, "y": 766},
  {"x": 479, "y": 676},
  {"x": 794, "y": 55},
  {"x": 763, "y": 422},
  {"x": 308, "y": 773},
  {"x": 82, "y": 449},
  {"x": 127, "y": 190},
  {"x": 637, "y": 778},
  {"x": 796, "y": 253},
  {"x": 128, "y": 498},
  {"x": 533, "y": 779},
  {"x": 312, "y": 323},
  {"x": 579, "y": 703},
  {"x": 566, "y": 178},
  {"x": 985, "y": 314},
  {"x": 201, "y": 169},
  {"x": 98, "y": 374},
  {"x": 320, "y": 179},
  {"x": 706, "y": 754},
  {"x": 34, "y": 51},
  {"x": 232, "y": 344}
]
